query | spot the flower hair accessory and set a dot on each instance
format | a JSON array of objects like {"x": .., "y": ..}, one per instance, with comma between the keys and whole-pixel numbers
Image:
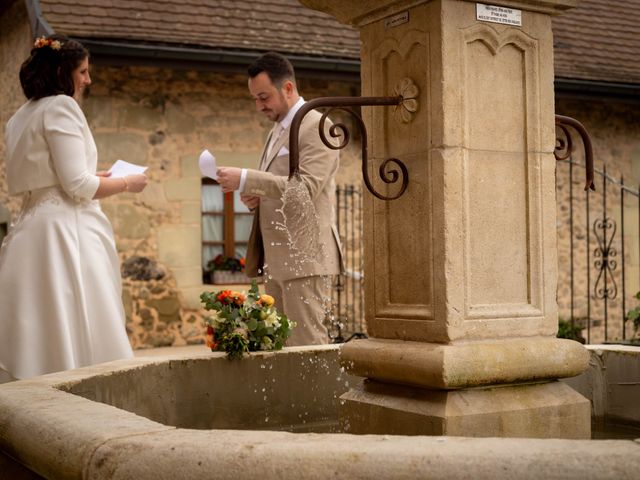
[{"x": 47, "y": 42}]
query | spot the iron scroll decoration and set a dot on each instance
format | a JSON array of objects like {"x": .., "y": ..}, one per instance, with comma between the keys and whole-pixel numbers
[
  {"x": 388, "y": 174},
  {"x": 564, "y": 146}
]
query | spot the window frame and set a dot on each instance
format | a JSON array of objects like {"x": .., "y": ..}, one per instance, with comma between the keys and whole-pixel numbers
[{"x": 228, "y": 215}]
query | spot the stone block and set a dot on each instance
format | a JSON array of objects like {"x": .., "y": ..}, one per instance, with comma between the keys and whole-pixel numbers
[
  {"x": 165, "y": 306},
  {"x": 99, "y": 111},
  {"x": 179, "y": 122},
  {"x": 187, "y": 277},
  {"x": 189, "y": 166},
  {"x": 240, "y": 160},
  {"x": 191, "y": 297},
  {"x": 139, "y": 117},
  {"x": 127, "y": 221},
  {"x": 190, "y": 213},
  {"x": 154, "y": 194},
  {"x": 112, "y": 146},
  {"x": 548, "y": 410},
  {"x": 182, "y": 189},
  {"x": 179, "y": 246}
]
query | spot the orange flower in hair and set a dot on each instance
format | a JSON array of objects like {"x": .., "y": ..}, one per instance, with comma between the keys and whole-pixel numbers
[{"x": 47, "y": 42}]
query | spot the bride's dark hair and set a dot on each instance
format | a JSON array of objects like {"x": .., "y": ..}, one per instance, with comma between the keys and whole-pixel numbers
[{"x": 49, "y": 68}]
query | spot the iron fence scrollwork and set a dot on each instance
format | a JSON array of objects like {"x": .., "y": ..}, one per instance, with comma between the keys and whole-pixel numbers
[{"x": 603, "y": 259}]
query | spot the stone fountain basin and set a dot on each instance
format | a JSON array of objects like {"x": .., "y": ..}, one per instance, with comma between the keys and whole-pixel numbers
[{"x": 202, "y": 416}]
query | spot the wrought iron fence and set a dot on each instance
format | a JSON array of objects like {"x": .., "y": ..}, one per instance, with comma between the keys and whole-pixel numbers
[
  {"x": 599, "y": 255},
  {"x": 348, "y": 289}
]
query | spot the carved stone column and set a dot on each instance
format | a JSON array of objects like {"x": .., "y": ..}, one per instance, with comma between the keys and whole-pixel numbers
[{"x": 460, "y": 272}]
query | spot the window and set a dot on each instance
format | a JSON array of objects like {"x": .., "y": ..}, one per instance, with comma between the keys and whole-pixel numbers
[{"x": 226, "y": 223}]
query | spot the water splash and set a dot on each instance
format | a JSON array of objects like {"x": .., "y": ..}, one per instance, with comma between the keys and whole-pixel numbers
[{"x": 302, "y": 226}]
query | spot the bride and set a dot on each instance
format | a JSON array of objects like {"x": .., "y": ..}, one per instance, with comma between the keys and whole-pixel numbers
[{"x": 60, "y": 287}]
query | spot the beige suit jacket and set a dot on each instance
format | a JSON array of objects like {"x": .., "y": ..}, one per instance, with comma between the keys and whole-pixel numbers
[{"x": 268, "y": 244}]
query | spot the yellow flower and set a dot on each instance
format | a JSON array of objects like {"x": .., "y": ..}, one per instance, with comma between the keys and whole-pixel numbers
[{"x": 267, "y": 300}]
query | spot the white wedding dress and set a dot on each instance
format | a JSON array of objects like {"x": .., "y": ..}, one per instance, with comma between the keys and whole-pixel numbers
[{"x": 60, "y": 286}]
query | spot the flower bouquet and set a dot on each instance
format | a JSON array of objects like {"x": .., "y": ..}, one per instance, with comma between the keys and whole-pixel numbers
[{"x": 244, "y": 322}]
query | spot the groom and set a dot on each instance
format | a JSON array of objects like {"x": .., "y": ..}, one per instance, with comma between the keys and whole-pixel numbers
[{"x": 302, "y": 291}]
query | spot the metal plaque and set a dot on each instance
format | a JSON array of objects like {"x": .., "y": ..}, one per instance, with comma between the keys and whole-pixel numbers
[
  {"x": 396, "y": 20},
  {"x": 496, "y": 14}
]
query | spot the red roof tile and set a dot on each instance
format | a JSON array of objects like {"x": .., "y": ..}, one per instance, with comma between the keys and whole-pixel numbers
[
  {"x": 282, "y": 25},
  {"x": 599, "y": 40}
]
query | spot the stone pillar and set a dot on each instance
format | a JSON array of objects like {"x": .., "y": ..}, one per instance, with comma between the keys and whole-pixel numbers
[{"x": 460, "y": 272}]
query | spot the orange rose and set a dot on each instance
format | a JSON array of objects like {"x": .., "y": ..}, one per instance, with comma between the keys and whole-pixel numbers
[
  {"x": 237, "y": 298},
  {"x": 266, "y": 300},
  {"x": 222, "y": 296}
]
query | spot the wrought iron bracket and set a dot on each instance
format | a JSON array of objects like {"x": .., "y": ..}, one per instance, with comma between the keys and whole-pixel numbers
[
  {"x": 339, "y": 130},
  {"x": 564, "y": 148}
]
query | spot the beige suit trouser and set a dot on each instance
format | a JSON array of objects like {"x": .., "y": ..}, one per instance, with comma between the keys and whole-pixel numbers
[{"x": 306, "y": 301}]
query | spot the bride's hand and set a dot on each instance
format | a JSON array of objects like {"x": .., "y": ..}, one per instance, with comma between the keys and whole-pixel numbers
[
  {"x": 103, "y": 173},
  {"x": 136, "y": 183}
]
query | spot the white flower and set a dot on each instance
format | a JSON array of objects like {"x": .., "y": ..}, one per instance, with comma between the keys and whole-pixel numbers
[
  {"x": 266, "y": 343},
  {"x": 272, "y": 320},
  {"x": 215, "y": 318}
]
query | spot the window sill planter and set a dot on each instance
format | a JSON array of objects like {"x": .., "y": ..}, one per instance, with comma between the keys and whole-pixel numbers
[{"x": 222, "y": 277}]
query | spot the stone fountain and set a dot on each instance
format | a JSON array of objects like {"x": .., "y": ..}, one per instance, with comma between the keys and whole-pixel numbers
[
  {"x": 460, "y": 274},
  {"x": 460, "y": 283}
]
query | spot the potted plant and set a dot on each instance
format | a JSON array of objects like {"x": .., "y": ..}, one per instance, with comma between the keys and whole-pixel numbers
[
  {"x": 227, "y": 270},
  {"x": 633, "y": 315}
]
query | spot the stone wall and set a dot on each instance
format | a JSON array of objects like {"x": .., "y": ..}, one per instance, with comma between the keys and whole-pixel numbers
[
  {"x": 15, "y": 45},
  {"x": 614, "y": 128},
  {"x": 163, "y": 119}
]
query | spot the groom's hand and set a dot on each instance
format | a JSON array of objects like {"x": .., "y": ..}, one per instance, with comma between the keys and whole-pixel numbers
[
  {"x": 250, "y": 201},
  {"x": 229, "y": 178}
]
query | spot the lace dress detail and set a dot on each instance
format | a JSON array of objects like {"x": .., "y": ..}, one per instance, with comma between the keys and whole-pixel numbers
[{"x": 30, "y": 203}]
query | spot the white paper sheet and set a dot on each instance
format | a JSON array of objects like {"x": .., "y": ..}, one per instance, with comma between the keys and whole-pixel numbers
[
  {"x": 208, "y": 166},
  {"x": 121, "y": 169}
]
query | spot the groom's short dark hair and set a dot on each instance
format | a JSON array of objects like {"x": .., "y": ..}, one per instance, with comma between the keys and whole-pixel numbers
[{"x": 276, "y": 66}]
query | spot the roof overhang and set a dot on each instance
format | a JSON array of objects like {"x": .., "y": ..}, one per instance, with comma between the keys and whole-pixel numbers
[
  {"x": 577, "y": 88},
  {"x": 112, "y": 52}
]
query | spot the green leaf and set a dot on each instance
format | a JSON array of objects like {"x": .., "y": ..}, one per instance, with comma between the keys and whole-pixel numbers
[{"x": 254, "y": 289}]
